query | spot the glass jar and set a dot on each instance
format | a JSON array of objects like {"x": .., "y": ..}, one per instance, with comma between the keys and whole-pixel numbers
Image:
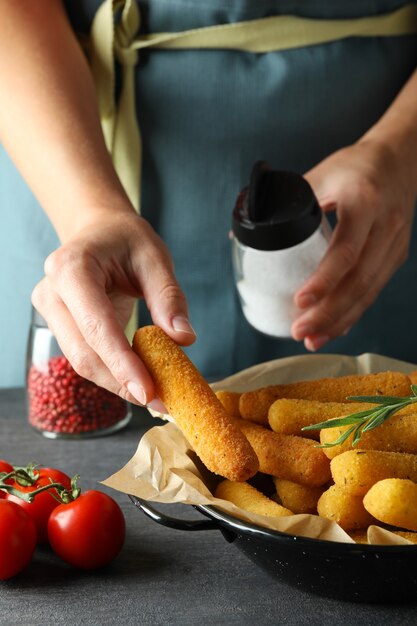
[{"x": 62, "y": 404}]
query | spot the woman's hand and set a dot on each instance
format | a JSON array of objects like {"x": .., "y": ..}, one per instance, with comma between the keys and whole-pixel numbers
[
  {"x": 373, "y": 197},
  {"x": 87, "y": 296}
]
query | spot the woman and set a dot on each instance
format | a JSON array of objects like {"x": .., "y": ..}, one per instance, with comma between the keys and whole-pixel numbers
[{"x": 343, "y": 112}]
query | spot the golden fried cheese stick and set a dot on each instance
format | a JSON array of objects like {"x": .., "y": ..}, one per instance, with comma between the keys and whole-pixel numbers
[
  {"x": 361, "y": 536},
  {"x": 289, "y": 416},
  {"x": 286, "y": 456},
  {"x": 298, "y": 498},
  {"x": 413, "y": 377},
  {"x": 254, "y": 405},
  {"x": 230, "y": 401},
  {"x": 193, "y": 405},
  {"x": 397, "y": 434},
  {"x": 358, "y": 470},
  {"x": 250, "y": 499},
  {"x": 342, "y": 507},
  {"x": 393, "y": 501}
]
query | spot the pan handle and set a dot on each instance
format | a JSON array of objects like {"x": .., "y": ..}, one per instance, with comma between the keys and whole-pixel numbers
[{"x": 180, "y": 524}]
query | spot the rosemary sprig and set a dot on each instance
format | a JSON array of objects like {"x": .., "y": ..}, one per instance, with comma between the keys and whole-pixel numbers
[{"x": 364, "y": 421}]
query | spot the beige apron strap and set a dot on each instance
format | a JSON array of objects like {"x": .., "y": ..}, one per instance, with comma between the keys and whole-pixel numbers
[
  {"x": 283, "y": 32},
  {"x": 115, "y": 35},
  {"x": 120, "y": 128},
  {"x": 121, "y": 132}
]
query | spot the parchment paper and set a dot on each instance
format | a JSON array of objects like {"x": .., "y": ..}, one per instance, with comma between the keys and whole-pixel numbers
[{"x": 165, "y": 469}]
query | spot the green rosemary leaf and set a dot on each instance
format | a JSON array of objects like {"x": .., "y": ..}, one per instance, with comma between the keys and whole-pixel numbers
[
  {"x": 384, "y": 400},
  {"x": 357, "y": 434},
  {"x": 414, "y": 389},
  {"x": 341, "y": 421},
  {"x": 378, "y": 419},
  {"x": 341, "y": 439}
]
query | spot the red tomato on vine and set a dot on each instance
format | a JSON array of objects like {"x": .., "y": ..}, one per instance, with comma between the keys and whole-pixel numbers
[
  {"x": 88, "y": 532},
  {"x": 17, "y": 539},
  {"x": 44, "y": 503},
  {"x": 6, "y": 468}
]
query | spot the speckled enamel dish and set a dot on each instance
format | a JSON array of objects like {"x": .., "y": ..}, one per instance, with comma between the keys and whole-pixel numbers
[{"x": 351, "y": 572}]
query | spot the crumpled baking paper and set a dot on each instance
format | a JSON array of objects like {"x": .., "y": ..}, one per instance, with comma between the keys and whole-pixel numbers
[{"x": 165, "y": 469}]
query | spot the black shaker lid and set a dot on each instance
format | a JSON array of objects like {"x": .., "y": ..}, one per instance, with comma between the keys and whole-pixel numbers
[{"x": 277, "y": 210}]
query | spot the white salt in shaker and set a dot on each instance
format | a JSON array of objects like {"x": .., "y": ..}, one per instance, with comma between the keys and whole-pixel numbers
[{"x": 279, "y": 236}]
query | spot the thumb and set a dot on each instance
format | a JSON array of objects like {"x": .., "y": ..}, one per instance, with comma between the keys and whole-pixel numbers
[
  {"x": 325, "y": 192},
  {"x": 168, "y": 306}
]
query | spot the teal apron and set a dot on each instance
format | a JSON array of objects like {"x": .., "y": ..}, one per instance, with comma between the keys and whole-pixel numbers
[{"x": 205, "y": 117}]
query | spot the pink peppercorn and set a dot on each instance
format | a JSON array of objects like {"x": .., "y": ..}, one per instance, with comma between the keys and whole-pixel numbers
[{"x": 62, "y": 403}]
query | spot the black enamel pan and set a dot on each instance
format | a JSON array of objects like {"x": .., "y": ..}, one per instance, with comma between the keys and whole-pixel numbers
[{"x": 351, "y": 572}]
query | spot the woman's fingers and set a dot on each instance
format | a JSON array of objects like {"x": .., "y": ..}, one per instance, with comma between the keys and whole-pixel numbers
[
  {"x": 79, "y": 283},
  {"x": 343, "y": 254},
  {"x": 83, "y": 359},
  {"x": 369, "y": 243},
  {"x": 96, "y": 283},
  {"x": 153, "y": 275},
  {"x": 356, "y": 209},
  {"x": 337, "y": 313},
  {"x": 164, "y": 298}
]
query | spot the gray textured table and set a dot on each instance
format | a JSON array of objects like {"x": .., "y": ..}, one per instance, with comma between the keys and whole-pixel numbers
[{"x": 162, "y": 576}]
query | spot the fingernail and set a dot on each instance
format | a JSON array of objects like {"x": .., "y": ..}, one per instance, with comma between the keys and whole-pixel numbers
[
  {"x": 137, "y": 392},
  {"x": 305, "y": 300},
  {"x": 181, "y": 324},
  {"x": 317, "y": 342},
  {"x": 157, "y": 405}
]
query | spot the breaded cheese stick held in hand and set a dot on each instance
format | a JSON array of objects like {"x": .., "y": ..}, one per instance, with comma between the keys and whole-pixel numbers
[{"x": 198, "y": 413}]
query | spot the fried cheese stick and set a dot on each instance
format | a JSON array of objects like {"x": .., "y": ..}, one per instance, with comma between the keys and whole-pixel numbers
[
  {"x": 250, "y": 499},
  {"x": 230, "y": 401},
  {"x": 393, "y": 501},
  {"x": 345, "y": 509},
  {"x": 211, "y": 432},
  {"x": 361, "y": 536},
  {"x": 298, "y": 498},
  {"x": 286, "y": 456},
  {"x": 359, "y": 470},
  {"x": 254, "y": 405},
  {"x": 289, "y": 416},
  {"x": 413, "y": 377},
  {"x": 397, "y": 434}
]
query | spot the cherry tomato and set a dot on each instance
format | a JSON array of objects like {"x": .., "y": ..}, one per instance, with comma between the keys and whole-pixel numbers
[
  {"x": 88, "y": 532},
  {"x": 44, "y": 503},
  {"x": 17, "y": 539},
  {"x": 5, "y": 467}
]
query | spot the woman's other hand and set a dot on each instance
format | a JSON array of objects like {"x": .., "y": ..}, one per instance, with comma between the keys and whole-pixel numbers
[{"x": 372, "y": 195}]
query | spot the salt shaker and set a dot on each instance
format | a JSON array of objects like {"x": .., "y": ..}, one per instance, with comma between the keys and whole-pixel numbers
[
  {"x": 62, "y": 404},
  {"x": 279, "y": 235}
]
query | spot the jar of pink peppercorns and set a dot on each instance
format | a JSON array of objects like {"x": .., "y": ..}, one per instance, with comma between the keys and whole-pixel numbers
[{"x": 60, "y": 402}]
